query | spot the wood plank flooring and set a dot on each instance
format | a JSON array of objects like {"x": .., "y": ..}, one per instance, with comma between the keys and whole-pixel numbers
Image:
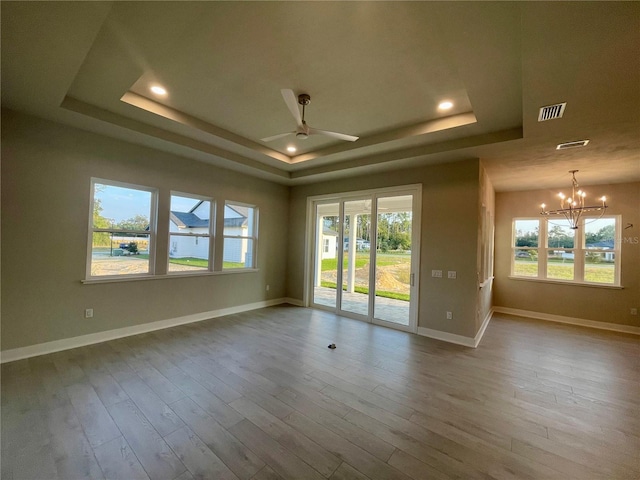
[{"x": 259, "y": 395}]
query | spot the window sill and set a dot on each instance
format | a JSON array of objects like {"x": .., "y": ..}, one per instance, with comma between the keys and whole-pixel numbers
[
  {"x": 560, "y": 282},
  {"x": 135, "y": 278}
]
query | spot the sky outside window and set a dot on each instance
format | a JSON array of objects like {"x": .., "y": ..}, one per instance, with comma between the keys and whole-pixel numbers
[{"x": 119, "y": 203}]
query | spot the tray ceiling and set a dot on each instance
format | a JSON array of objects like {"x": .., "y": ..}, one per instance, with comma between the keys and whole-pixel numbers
[{"x": 377, "y": 70}]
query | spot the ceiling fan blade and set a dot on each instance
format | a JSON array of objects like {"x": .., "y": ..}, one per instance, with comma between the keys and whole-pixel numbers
[
  {"x": 292, "y": 102},
  {"x": 341, "y": 136},
  {"x": 275, "y": 137}
]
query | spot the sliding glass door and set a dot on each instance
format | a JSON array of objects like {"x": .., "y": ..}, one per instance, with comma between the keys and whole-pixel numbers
[
  {"x": 363, "y": 254},
  {"x": 394, "y": 249}
]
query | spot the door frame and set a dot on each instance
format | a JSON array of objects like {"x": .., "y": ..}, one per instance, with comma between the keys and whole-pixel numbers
[{"x": 310, "y": 249}]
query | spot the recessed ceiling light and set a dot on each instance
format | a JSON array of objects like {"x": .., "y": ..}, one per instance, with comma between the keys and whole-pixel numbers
[
  {"x": 446, "y": 105},
  {"x": 158, "y": 90},
  {"x": 291, "y": 149}
]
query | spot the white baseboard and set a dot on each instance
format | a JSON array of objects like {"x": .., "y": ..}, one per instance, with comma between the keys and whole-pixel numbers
[
  {"x": 569, "y": 320},
  {"x": 446, "y": 336},
  {"x": 455, "y": 338},
  {"x": 74, "y": 342},
  {"x": 294, "y": 301},
  {"x": 483, "y": 327}
]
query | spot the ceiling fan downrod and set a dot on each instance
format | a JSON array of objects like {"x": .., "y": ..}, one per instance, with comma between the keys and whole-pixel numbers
[{"x": 304, "y": 100}]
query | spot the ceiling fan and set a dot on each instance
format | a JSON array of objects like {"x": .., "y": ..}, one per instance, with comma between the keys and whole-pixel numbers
[{"x": 303, "y": 130}]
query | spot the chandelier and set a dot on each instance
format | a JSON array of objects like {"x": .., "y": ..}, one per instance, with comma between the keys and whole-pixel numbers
[{"x": 573, "y": 207}]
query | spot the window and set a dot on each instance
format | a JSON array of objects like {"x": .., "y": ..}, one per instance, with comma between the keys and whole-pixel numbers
[
  {"x": 525, "y": 251},
  {"x": 240, "y": 236},
  {"x": 122, "y": 230},
  {"x": 560, "y": 252},
  {"x": 551, "y": 250},
  {"x": 325, "y": 248},
  {"x": 601, "y": 260},
  {"x": 190, "y": 234}
]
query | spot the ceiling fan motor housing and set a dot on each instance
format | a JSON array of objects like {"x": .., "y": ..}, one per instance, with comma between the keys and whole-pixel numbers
[{"x": 304, "y": 99}]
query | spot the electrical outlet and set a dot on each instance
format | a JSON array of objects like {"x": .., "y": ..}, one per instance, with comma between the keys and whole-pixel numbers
[
  {"x": 634, "y": 311},
  {"x": 451, "y": 274},
  {"x": 88, "y": 313},
  {"x": 449, "y": 316},
  {"x": 436, "y": 273},
  {"x": 267, "y": 288}
]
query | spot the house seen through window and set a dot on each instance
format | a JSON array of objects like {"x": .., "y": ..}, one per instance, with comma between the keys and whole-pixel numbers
[
  {"x": 240, "y": 236},
  {"x": 190, "y": 233}
]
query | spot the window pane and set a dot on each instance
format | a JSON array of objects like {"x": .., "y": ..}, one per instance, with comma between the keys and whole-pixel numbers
[
  {"x": 600, "y": 234},
  {"x": 239, "y": 220},
  {"x": 599, "y": 267},
  {"x": 560, "y": 264},
  {"x": 188, "y": 253},
  {"x": 238, "y": 253},
  {"x": 190, "y": 216},
  {"x": 560, "y": 234},
  {"x": 121, "y": 208},
  {"x": 119, "y": 254},
  {"x": 525, "y": 263},
  {"x": 526, "y": 233}
]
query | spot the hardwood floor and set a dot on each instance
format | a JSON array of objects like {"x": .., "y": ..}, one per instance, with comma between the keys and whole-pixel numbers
[{"x": 260, "y": 396}]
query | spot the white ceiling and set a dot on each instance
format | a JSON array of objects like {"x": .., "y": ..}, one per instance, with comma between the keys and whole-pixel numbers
[{"x": 373, "y": 69}]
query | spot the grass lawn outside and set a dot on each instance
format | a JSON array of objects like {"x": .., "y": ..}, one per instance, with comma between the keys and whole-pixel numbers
[
  {"x": 362, "y": 258},
  {"x": 379, "y": 293},
  {"x": 197, "y": 262},
  {"x": 597, "y": 273}
]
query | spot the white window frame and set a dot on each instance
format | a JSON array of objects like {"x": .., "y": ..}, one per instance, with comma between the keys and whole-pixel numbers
[
  {"x": 210, "y": 235},
  {"x": 579, "y": 252},
  {"x": 253, "y": 238},
  {"x": 153, "y": 212}
]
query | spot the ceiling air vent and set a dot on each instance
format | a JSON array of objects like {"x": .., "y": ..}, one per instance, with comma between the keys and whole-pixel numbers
[
  {"x": 551, "y": 112},
  {"x": 578, "y": 143}
]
